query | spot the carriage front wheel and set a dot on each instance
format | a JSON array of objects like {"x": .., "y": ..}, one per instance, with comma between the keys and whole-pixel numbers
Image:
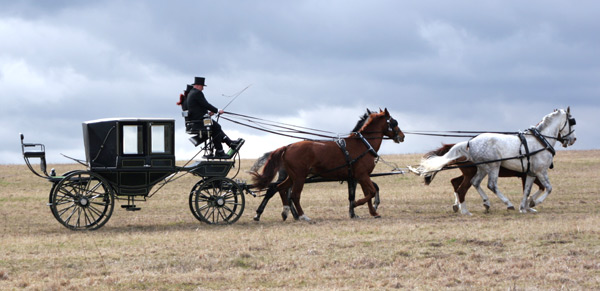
[
  {"x": 82, "y": 200},
  {"x": 217, "y": 200}
]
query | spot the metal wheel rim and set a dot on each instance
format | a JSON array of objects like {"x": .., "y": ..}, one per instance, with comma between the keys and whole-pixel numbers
[
  {"x": 82, "y": 201},
  {"x": 191, "y": 199}
]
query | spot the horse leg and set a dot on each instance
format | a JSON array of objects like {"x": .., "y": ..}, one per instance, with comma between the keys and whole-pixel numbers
[
  {"x": 376, "y": 200},
  {"x": 541, "y": 189},
  {"x": 295, "y": 195},
  {"x": 369, "y": 191},
  {"x": 283, "y": 189},
  {"x": 287, "y": 196},
  {"x": 476, "y": 182},
  {"x": 493, "y": 185},
  {"x": 351, "y": 197},
  {"x": 462, "y": 192},
  {"x": 524, "y": 207},
  {"x": 270, "y": 193},
  {"x": 543, "y": 178},
  {"x": 455, "y": 184}
]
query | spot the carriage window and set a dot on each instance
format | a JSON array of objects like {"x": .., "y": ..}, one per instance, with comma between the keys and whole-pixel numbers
[
  {"x": 160, "y": 139},
  {"x": 133, "y": 141}
]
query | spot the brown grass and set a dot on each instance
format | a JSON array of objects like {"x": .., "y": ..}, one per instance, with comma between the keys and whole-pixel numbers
[{"x": 419, "y": 243}]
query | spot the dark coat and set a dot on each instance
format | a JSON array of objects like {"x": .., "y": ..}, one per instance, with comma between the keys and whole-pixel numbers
[{"x": 198, "y": 106}]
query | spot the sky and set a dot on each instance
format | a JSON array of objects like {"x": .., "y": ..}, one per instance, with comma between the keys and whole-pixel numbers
[{"x": 435, "y": 65}]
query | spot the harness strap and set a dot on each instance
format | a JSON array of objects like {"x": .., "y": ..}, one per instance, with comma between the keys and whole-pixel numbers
[
  {"x": 369, "y": 147},
  {"x": 488, "y": 162},
  {"x": 349, "y": 161},
  {"x": 543, "y": 140},
  {"x": 527, "y": 154},
  {"x": 342, "y": 144}
]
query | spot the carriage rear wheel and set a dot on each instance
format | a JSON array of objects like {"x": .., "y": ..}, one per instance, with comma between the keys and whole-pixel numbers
[
  {"x": 82, "y": 200},
  {"x": 217, "y": 200}
]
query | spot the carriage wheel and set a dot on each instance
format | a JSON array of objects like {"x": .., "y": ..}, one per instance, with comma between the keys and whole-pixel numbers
[
  {"x": 217, "y": 200},
  {"x": 82, "y": 201}
]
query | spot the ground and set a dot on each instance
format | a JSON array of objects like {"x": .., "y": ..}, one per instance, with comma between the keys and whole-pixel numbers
[{"x": 419, "y": 243}]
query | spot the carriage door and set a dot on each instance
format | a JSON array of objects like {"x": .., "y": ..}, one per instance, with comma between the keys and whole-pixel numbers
[
  {"x": 162, "y": 153},
  {"x": 133, "y": 173}
]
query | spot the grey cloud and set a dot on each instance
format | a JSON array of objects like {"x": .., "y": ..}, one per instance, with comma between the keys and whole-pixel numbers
[{"x": 488, "y": 65}]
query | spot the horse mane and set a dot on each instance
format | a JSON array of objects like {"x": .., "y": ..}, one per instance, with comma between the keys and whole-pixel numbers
[
  {"x": 366, "y": 119},
  {"x": 361, "y": 122},
  {"x": 544, "y": 122}
]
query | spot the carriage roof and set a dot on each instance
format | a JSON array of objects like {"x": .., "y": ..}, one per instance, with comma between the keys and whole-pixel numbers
[{"x": 109, "y": 138}]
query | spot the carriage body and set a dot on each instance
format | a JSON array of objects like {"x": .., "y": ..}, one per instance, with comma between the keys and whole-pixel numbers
[
  {"x": 132, "y": 154},
  {"x": 125, "y": 159}
]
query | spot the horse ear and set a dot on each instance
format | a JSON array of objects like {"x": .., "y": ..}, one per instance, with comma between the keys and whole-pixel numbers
[
  {"x": 568, "y": 109},
  {"x": 387, "y": 113},
  {"x": 368, "y": 111}
]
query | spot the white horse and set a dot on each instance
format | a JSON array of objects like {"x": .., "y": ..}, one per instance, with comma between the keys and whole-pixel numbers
[{"x": 489, "y": 151}]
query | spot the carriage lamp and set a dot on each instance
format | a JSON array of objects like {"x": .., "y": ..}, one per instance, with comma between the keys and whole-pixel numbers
[{"x": 207, "y": 121}]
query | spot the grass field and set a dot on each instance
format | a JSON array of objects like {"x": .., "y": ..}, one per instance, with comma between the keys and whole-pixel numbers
[{"x": 419, "y": 243}]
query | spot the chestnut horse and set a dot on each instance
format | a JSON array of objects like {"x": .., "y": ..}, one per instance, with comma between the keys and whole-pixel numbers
[
  {"x": 462, "y": 184},
  {"x": 327, "y": 159}
]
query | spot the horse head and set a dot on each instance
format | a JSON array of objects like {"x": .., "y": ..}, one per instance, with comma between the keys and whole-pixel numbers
[
  {"x": 392, "y": 130},
  {"x": 566, "y": 134}
]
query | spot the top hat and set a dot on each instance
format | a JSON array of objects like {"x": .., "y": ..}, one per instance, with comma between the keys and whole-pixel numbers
[{"x": 199, "y": 81}]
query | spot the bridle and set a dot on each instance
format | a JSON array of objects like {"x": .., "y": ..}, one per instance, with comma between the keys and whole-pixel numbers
[
  {"x": 570, "y": 121},
  {"x": 392, "y": 124}
]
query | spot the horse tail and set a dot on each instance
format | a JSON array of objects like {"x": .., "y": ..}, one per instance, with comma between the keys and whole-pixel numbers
[
  {"x": 432, "y": 164},
  {"x": 440, "y": 151},
  {"x": 274, "y": 162},
  {"x": 260, "y": 162}
]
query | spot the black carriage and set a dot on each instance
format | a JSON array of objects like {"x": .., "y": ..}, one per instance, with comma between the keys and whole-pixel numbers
[{"x": 125, "y": 159}]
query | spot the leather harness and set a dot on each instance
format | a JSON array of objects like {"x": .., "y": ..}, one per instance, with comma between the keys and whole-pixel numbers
[{"x": 349, "y": 161}]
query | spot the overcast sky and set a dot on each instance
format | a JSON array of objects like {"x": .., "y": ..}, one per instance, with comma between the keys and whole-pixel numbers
[{"x": 436, "y": 65}]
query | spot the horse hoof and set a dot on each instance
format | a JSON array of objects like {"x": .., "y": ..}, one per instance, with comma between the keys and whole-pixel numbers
[
  {"x": 532, "y": 204},
  {"x": 284, "y": 216},
  {"x": 531, "y": 210},
  {"x": 510, "y": 208},
  {"x": 377, "y": 216},
  {"x": 455, "y": 208},
  {"x": 487, "y": 208},
  {"x": 257, "y": 218}
]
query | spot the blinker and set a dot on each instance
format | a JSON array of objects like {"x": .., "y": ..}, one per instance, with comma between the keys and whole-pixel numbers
[{"x": 572, "y": 121}]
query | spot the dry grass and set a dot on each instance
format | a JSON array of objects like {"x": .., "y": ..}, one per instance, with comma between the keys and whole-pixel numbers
[{"x": 419, "y": 243}]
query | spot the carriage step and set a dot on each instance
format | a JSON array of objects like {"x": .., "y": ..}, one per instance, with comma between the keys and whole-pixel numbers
[{"x": 130, "y": 207}]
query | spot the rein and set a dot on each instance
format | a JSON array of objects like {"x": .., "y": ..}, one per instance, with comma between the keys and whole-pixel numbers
[
  {"x": 536, "y": 133},
  {"x": 287, "y": 130}
]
